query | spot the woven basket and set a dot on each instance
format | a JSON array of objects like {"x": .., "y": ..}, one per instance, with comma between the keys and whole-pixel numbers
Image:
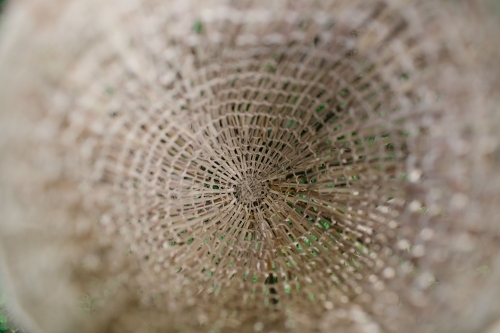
[{"x": 250, "y": 166}]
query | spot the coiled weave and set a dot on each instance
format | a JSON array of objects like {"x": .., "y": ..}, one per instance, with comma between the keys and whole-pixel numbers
[{"x": 251, "y": 166}]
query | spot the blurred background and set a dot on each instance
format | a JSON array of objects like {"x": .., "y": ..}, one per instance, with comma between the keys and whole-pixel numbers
[{"x": 6, "y": 324}]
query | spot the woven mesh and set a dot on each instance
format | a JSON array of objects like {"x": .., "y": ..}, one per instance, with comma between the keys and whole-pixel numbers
[{"x": 274, "y": 166}]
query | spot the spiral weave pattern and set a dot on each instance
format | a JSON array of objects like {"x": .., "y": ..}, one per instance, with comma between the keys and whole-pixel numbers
[{"x": 260, "y": 166}]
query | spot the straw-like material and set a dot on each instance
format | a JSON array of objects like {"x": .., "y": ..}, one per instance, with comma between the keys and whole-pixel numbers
[{"x": 250, "y": 166}]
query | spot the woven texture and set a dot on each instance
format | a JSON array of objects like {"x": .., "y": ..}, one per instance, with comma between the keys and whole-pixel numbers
[{"x": 251, "y": 166}]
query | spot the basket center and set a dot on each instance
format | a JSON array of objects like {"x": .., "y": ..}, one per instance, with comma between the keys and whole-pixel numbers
[{"x": 251, "y": 193}]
